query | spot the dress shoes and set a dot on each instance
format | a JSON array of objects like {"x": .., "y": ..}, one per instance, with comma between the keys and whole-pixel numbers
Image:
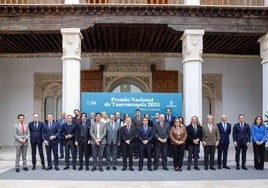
[
  {"x": 17, "y": 170},
  {"x": 33, "y": 168},
  {"x": 80, "y": 168},
  {"x": 176, "y": 169},
  {"x": 219, "y": 167},
  {"x": 61, "y": 157},
  {"x": 124, "y": 168},
  {"x": 212, "y": 168},
  {"x": 226, "y": 167},
  {"x": 196, "y": 168},
  {"x": 93, "y": 169},
  {"x": 180, "y": 169},
  {"x": 165, "y": 168},
  {"x": 49, "y": 168},
  {"x": 188, "y": 168},
  {"x": 87, "y": 168},
  {"x": 155, "y": 167},
  {"x": 237, "y": 168},
  {"x": 136, "y": 157},
  {"x": 206, "y": 168},
  {"x": 57, "y": 168},
  {"x": 140, "y": 169},
  {"x": 25, "y": 169},
  {"x": 43, "y": 167},
  {"x": 131, "y": 168},
  {"x": 114, "y": 168},
  {"x": 108, "y": 168},
  {"x": 74, "y": 167},
  {"x": 101, "y": 169},
  {"x": 244, "y": 167},
  {"x": 66, "y": 167},
  {"x": 150, "y": 169}
]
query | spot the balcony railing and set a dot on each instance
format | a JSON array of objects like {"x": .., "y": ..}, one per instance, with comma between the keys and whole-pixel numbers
[{"x": 141, "y": 2}]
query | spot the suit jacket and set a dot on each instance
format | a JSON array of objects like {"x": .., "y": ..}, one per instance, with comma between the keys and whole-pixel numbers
[
  {"x": 18, "y": 135},
  {"x": 53, "y": 131},
  {"x": 60, "y": 123},
  {"x": 148, "y": 135},
  {"x": 136, "y": 122},
  {"x": 210, "y": 138},
  {"x": 161, "y": 132},
  {"x": 87, "y": 130},
  {"x": 127, "y": 135},
  {"x": 224, "y": 134},
  {"x": 241, "y": 136},
  {"x": 102, "y": 131},
  {"x": 36, "y": 133},
  {"x": 69, "y": 129},
  {"x": 171, "y": 122},
  {"x": 113, "y": 134},
  {"x": 191, "y": 135}
]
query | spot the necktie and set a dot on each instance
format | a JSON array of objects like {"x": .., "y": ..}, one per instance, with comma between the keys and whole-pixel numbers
[
  {"x": 242, "y": 126},
  {"x": 128, "y": 128},
  {"x": 161, "y": 125},
  {"x": 195, "y": 129},
  {"x": 210, "y": 128},
  {"x": 35, "y": 125},
  {"x": 49, "y": 125},
  {"x": 225, "y": 127},
  {"x": 83, "y": 129},
  {"x": 22, "y": 128},
  {"x": 145, "y": 129}
]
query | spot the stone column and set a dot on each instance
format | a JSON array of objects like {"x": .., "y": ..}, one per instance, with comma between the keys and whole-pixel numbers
[
  {"x": 192, "y": 2},
  {"x": 71, "y": 59},
  {"x": 192, "y": 49},
  {"x": 71, "y": 2},
  {"x": 264, "y": 55}
]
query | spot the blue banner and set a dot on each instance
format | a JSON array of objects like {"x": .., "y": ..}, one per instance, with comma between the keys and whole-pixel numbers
[{"x": 129, "y": 102}]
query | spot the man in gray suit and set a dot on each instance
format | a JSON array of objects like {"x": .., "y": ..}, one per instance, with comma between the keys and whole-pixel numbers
[
  {"x": 98, "y": 140},
  {"x": 211, "y": 138},
  {"x": 161, "y": 131},
  {"x": 21, "y": 134},
  {"x": 113, "y": 141}
]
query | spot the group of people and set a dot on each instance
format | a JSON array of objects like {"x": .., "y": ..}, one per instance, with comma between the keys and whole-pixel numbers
[{"x": 138, "y": 137}]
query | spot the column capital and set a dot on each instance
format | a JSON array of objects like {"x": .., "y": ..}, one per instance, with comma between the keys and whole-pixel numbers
[
  {"x": 192, "y": 45},
  {"x": 71, "y": 43},
  {"x": 264, "y": 48}
]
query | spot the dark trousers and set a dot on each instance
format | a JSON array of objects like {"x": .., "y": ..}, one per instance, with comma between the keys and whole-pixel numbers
[
  {"x": 127, "y": 152},
  {"x": 148, "y": 150},
  {"x": 259, "y": 152},
  {"x": 209, "y": 151},
  {"x": 97, "y": 151},
  {"x": 83, "y": 151},
  {"x": 111, "y": 152},
  {"x": 193, "y": 151},
  {"x": 222, "y": 154},
  {"x": 169, "y": 149},
  {"x": 160, "y": 149},
  {"x": 70, "y": 146},
  {"x": 54, "y": 148},
  {"x": 41, "y": 154},
  {"x": 62, "y": 143},
  {"x": 238, "y": 148},
  {"x": 178, "y": 154}
]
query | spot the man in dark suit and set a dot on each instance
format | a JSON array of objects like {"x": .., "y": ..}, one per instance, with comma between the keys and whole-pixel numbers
[
  {"x": 50, "y": 134},
  {"x": 137, "y": 122},
  {"x": 60, "y": 122},
  {"x": 70, "y": 136},
  {"x": 169, "y": 118},
  {"x": 161, "y": 133},
  {"x": 241, "y": 138},
  {"x": 36, "y": 129},
  {"x": 194, "y": 138},
  {"x": 98, "y": 140},
  {"x": 225, "y": 131},
  {"x": 113, "y": 141},
  {"x": 145, "y": 136},
  {"x": 211, "y": 138},
  {"x": 128, "y": 136},
  {"x": 83, "y": 141}
]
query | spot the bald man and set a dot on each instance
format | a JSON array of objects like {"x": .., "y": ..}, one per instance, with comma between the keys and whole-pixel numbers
[{"x": 225, "y": 131}]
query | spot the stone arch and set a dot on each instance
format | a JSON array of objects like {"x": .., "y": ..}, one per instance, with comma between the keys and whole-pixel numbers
[{"x": 130, "y": 80}]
